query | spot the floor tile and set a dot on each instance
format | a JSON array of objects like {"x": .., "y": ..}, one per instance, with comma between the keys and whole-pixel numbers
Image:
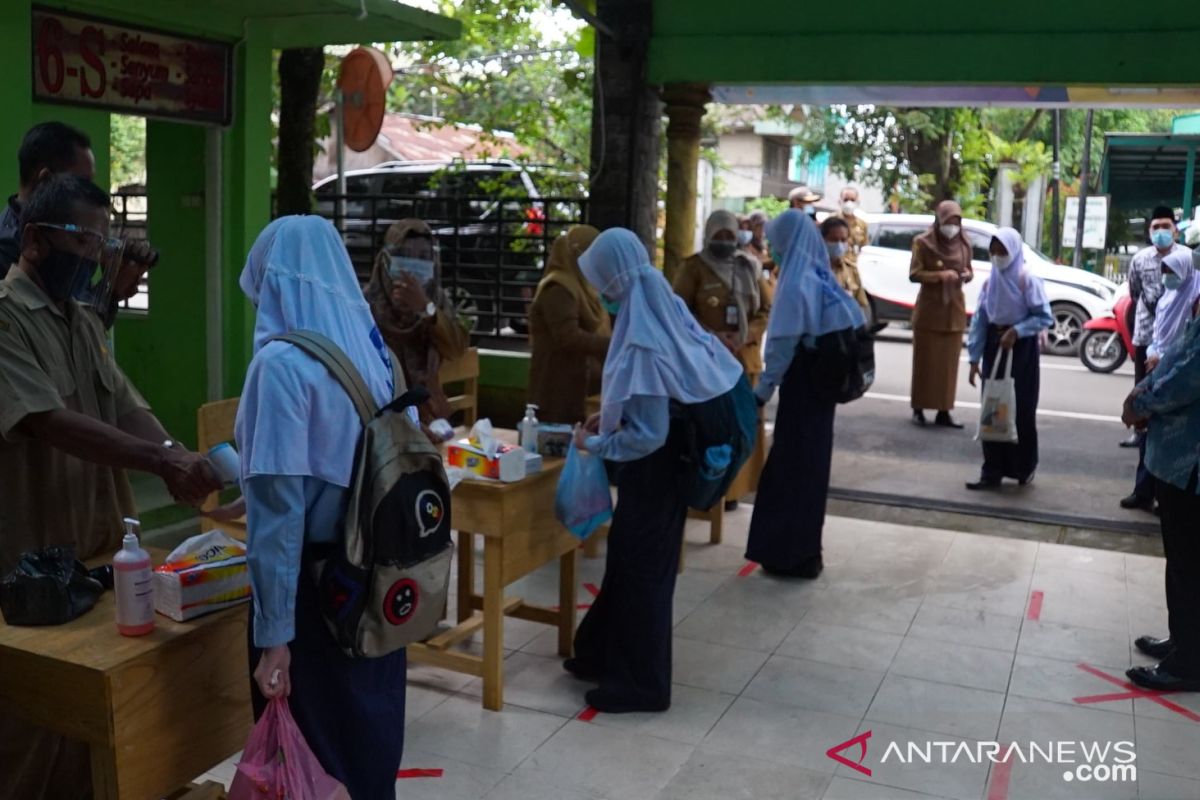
[
  {"x": 780, "y": 734},
  {"x": 836, "y": 644},
  {"x": 420, "y": 700},
  {"x": 459, "y": 781},
  {"x": 1169, "y": 748},
  {"x": 606, "y": 761},
  {"x": 979, "y": 591},
  {"x": 1083, "y": 599},
  {"x": 713, "y": 666},
  {"x": 957, "y": 664},
  {"x": 1189, "y": 701},
  {"x": 1154, "y": 786},
  {"x": 850, "y": 789},
  {"x": 533, "y": 787},
  {"x": 720, "y": 620},
  {"x": 883, "y": 616},
  {"x": 976, "y": 627},
  {"x": 715, "y": 776},
  {"x": 1072, "y": 643},
  {"x": 937, "y": 707},
  {"x": 815, "y": 686},
  {"x": 1088, "y": 559},
  {"x": 1057, "y": 681},
  {"x": 961, "y": 779},
  {"x": 539, "y": 684},
  {"x": 463, "y": 730},
  {"x": 693, "y": 713}
]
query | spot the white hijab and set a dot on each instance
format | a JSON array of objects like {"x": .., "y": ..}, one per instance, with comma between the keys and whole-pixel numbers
[
  {"x": 658, "y": 349},
  {"x": 294, "y": 418}
]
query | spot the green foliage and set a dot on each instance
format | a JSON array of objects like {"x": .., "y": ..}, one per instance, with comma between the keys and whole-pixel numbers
[
  {"x": 127, "y": 149},
  {"x": 772, "y": 205}
]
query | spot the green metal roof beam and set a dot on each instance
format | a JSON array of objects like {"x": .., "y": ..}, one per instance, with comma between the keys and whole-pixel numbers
[{"x": 386, "y": 21}]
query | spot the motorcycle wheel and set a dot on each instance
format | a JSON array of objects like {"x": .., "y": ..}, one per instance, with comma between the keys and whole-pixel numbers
[{"x": 1102, "y": 351}]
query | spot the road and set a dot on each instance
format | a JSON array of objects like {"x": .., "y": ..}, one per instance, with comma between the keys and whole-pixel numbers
[{"x": 1082, "y": 472}]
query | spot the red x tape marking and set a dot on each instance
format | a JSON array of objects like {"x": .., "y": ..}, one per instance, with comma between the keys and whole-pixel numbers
[
  {"x": 1001, "y": 778},
  {"x": 592, "y": 589},
  {"x": 588, "y": 714},
  {"x": 419, "y": 773},
  {"x": 747, "y": 570},
  {"x": 1035, "y": 605},
  {"x": 1132, "y": 693}
]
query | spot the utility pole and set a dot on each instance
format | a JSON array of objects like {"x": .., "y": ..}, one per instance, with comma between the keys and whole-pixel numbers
[
  {"x": 1084, "y": 180},
  {"x": 1055, "y": 181}
]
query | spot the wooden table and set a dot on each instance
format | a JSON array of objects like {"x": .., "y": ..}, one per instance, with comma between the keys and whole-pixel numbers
[
  {"x": 156, "y": 710},
  {"x": 520, "y": 534}
]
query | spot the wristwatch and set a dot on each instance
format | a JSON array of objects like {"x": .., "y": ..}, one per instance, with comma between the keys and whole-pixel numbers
[{"x": 430, "y": 308}]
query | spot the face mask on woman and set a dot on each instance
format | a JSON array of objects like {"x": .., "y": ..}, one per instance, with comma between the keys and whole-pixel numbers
[
  {"x": 1001, "y": 262},
  {"x": 950, "y": 231},
  {"x": 1162, "y": 239},
  {"x": 837, "y": 249},
  {"x": 1171, "y": 282},
  {"x": 744, "y": 237},
  {"x": 849, "y": 207},
  {"x": 722, "y": 248}
]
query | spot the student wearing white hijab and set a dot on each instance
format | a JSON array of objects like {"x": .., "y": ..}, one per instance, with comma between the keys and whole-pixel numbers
[
  {"x": 1174, "y": 310},
  {"x": 658, "y": 356},
  {"x": 1011, "y": 314},
  {"x": 789, "y": 509},
  {"x": 296, "y": 431}
]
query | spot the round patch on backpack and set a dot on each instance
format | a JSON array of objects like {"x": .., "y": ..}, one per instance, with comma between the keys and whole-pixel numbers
[
  {"x": 400, "y": 603},
  {"x": 429, "y": 512}
]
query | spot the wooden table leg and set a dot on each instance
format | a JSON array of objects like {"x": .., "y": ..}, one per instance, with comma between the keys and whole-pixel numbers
[
  {"x": 104, "y": 773},
  {"x": 466, "y": 574},
  {"x": 493, "y": 624},
  {"x": 591, "y": 545},
  {"x": 716, "y": 519},
  {"x": 566, "y": 603}
]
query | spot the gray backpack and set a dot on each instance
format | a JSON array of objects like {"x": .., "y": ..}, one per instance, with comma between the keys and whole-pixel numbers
[{"x": 384, "y": 585}]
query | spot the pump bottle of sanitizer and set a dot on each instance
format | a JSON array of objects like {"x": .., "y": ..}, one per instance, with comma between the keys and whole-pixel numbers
[{"x": 133, "y": 580}]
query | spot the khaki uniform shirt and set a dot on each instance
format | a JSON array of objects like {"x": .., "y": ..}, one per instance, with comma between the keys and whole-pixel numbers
[
  {"x": 707, "y": 297},
  {"x": 941, "y": 307},
  {"x": 859, "y": 238},
  {"x": 49, "y": 361}
]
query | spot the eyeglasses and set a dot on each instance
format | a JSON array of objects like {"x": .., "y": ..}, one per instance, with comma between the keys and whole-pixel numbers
[{"x": 90, "y": 238}]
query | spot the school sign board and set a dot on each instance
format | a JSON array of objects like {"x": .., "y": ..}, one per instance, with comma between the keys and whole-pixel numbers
[
  {"x": 1095, "y": 224},
  {"x": 85, "y": 61}
]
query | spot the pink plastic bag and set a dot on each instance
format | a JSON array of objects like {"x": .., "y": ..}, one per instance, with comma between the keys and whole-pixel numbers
[{"x": 277, "y": 763}]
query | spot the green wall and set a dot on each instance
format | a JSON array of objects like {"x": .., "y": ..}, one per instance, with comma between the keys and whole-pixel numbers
[{"x": 163, "y": 351}]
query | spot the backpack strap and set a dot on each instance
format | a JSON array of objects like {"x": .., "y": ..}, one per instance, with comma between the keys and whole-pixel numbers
[{"x": 342, "y": 369}]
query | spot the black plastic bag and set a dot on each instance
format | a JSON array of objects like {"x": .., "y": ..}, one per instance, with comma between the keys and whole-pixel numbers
[{"x": 48, "y": 587}]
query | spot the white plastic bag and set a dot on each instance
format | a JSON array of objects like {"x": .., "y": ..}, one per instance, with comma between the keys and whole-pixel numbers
[{"x": 998, "y": 409}]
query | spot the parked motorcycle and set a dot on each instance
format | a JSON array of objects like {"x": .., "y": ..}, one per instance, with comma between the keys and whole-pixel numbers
[{"x": 1107, "y": 340}]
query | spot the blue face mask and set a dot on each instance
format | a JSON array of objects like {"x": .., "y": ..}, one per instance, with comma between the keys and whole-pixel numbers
[
  {"x": 1172, "y": 282},
  {"x": 611, "y": 306},
  {"x": 1162, "y": 239}
]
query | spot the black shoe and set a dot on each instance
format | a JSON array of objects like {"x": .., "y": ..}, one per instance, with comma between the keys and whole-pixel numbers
[
  {"x": 731, "y": 505},
  {"x": 1155, "y": 648},
  {"x": 608, "y": 703},
  {"x": 581, "y": 671},
  {"x": 944, "y": 419},
  {"x": 1134, "y": 501},
  {"x": 1134, "y": 440},
  {"x": 918, "y": 418},
  {"x": 1159, "y": 679},
  {"x": 984, "y": 485},
  {"x": 1028, "y": 479},
  {"x": 808, "y": 569}
]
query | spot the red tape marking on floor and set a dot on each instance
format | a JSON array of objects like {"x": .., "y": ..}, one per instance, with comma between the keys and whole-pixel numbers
[
  {"x": 1001, "y": 778},
  {"x": 1132, "y": 693},
  {"x": 419, "y": 773},
  {"x": 747, "y": 570},
  {"x": 592, "y": 589},
  {"x": 588, "y": 714},
  {"x": 1035, "y": 605}
]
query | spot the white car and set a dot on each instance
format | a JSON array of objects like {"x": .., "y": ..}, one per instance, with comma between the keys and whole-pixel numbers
[{"x": 1075, "y": 295}]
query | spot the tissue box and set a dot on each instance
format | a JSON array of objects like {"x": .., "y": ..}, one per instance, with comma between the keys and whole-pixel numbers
[
  {"x": 204, "y": 574},
  {"x": 554, "y": 439},
  {"x": 507, "y": 465}
]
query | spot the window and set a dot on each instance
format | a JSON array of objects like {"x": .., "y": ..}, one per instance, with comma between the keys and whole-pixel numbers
[
  {"x": 896, "y": 237},
  {"x": 980, "y": 242}
]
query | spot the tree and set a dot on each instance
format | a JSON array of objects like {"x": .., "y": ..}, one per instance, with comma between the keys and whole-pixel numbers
[{"x": 300, "y": 71}]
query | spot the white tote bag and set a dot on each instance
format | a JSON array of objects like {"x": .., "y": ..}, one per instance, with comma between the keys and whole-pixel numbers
[{"x": 998, "y": 411}]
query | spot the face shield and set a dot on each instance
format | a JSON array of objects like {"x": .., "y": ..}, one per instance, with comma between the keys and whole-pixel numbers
[
  {"x": 415, "y": 257},
  {"x": 82, "y": 263}
]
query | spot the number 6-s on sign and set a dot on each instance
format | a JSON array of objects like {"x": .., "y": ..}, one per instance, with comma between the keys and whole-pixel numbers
[{"x": 80, "y": 60}]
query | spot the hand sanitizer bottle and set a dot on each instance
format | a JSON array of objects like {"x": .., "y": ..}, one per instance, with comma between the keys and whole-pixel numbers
[
  {"x": 133, "y": 580},
  {"x": 528, "y": 430}
]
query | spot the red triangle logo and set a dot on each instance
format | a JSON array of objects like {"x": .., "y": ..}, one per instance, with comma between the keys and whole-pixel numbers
[{"x": 836, "y": 751}]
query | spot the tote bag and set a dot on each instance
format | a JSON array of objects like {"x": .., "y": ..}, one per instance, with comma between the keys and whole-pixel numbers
[{"x": 998, "y": 411}]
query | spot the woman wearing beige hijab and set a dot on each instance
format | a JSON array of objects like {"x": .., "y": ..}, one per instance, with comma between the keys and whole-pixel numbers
[
  {"x": 941, "y": 263},
  {"x": 569, "y": 329}
]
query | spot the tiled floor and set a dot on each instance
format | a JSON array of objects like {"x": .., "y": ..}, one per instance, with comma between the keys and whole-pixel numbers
[{"x": 912, "y": 634}]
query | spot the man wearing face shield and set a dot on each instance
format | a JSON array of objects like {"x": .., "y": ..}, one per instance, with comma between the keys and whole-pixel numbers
[
  {"x": 413, "y": 312},
  {"x": 70, "y": 425},
  {"x": 52, "y": 148}
]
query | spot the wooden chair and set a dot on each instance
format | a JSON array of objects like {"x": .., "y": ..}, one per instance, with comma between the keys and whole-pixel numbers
[
  {"x": 464, "y": 372},
  {"x": 214, "y": 424}
]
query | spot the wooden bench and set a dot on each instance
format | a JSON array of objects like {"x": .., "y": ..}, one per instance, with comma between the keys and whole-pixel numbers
[{"x": 463, "y": 374}]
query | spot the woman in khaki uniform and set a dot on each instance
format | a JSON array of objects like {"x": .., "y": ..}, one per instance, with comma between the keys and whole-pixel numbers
[
  {"x": 941, "y": 263},
  {"x": 569, "y": 330},
  {"x": 415, "y": 316},
  {"x": 725, "y": 290}
]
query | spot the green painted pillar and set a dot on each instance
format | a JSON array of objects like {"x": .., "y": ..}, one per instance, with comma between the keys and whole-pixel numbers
[
  {"x": 246, "y": 192},
  {"x": 16, "y": 55},
  {"x": 1189, "y": 183},
  {"x": 163, "y": 351}
]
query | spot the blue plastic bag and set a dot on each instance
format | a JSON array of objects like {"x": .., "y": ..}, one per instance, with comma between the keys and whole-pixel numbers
[{"x": 582, "y": 502}]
